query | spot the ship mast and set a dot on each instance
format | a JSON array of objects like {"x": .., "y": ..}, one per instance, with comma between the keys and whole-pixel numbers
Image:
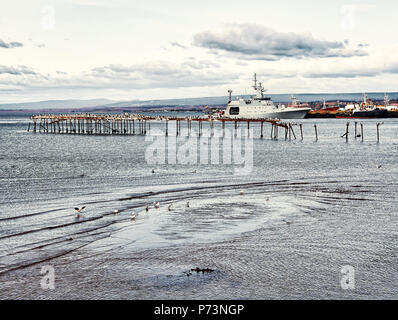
[
  {"x": 364, "y": 98},
  {"x": 259, "y": 88},
  {"x": 386, "y": 99},
  {"x": 255, "y": 82}
]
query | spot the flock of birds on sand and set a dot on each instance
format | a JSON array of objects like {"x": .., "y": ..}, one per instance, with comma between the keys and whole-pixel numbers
[{"x": 156, "y": 205}]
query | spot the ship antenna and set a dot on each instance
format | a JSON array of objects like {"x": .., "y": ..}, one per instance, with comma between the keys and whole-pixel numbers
[
  {"x": 255, "y": 82},
  {"x": 261, "y": 89},
  {"x": 230, "y": 95}
]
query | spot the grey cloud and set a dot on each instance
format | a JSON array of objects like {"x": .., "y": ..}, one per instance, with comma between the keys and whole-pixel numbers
[
  {"x": 254, "y": 42},
  {"x": 154, "y": 69},
  {"x": 355, "y": 73},
  {"x": 19, "y": 70},
  {"x": 200, "y": 64},
  {"x": 156, "y": 74},
  {"x": 177, "y": 44},
  {"x": 12, "y": 44},
  {"x": 393, "y": 68},
  {"x": 347, "y": 74}
]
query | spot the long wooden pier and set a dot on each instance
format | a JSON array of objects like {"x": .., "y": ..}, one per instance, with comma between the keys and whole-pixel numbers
[{"x": 135, "y": 124}]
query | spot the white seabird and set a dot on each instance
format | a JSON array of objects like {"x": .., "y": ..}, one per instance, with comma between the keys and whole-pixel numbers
[{"x": 79, "y": 210}]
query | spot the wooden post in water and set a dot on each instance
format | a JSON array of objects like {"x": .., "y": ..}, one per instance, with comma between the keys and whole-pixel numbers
[
  {"x": 316, "y": 132},
  {"x": 199, "y": 133},
  {"x": 377, "y": 127},
  {"x": 355, "y": 129},
  {"x": 362, "y": 131},
  {"x": 291, "y": 128},
  {"x": 301, "y": 131},
  {"x": 262, "y": 125}
]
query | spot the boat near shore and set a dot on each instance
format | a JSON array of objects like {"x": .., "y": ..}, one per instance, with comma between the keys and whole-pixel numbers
[
  {"x": 365, "y": 110},
  {"x": 259, "y": 106}
]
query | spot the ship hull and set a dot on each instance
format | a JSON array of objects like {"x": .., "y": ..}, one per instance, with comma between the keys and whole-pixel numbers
[
  {"x": 377, "y": 113},
  {"x": 295, "y": 113}
]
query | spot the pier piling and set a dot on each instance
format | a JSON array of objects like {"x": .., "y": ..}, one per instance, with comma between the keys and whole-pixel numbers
[
  {"x": 301, "y": 131},
  {"x": 316, "y": 132},
  {"x": 377, "y": 128},
  {"x": 355, "y": 129},
  {"x": 362, "y": 132}
]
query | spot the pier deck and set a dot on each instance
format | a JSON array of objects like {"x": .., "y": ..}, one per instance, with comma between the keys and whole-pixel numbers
[{"x": 134, "y": 124}]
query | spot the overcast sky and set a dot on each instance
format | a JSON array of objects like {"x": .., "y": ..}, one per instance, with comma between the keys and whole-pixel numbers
[{"x": 84, "y": 49}]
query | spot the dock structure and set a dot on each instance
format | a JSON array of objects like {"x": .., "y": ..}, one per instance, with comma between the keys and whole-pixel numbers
[{"x": 135, "y": 124}]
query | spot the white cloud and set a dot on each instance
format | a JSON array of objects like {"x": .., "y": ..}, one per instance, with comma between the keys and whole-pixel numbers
[
  {"x": 8, "y": 45},
  {"x": 256, "y": 42}
]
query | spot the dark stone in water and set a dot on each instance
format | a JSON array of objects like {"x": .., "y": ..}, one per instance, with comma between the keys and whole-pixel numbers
[{"x": 197, "y": 270}]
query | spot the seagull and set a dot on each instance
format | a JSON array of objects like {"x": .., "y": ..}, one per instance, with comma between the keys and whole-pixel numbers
[
  {"x": 153, "y": 170},
  {"x": 116, "y": 212},
  {"x": 156, "y": 205},
  {"x": 147, "y": 208},
  {"x": 187, "y": 204},
  {"x": 132, "y": 217},
  {"x": 241, "y": 192},
  {"x": 267, "y": 200},
  {"x": 79, "y": 210},
  {"x": 379, "y": 166},
  {"x": 170, "y": 206}
]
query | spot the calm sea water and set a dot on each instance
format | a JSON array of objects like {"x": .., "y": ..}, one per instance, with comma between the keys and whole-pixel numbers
[{"x": 283, "y": 230}]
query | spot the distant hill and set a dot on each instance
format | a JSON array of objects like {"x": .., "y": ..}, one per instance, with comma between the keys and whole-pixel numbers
[{"x": 182, "y": 104}]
